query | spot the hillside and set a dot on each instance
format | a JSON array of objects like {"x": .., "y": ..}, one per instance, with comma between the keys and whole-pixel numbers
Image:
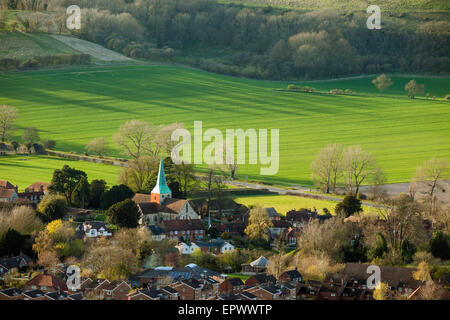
[
  {"x": 75, "y": 105},
  {"x": 350, "y": 5}
]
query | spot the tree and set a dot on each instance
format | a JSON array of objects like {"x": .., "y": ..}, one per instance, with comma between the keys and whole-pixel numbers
[
  {"x": 11, "y": 242},
  {"x": 98, "y": 187},
  {"x": 258, "y": 224},
  {"x": 52, "y": 207},
  {"x": 49, "y": 144},
  {"x": 327, "y": 167},
  {"x": 440, "y": 245},
  {"x": 80, "y": 195},
  {"x": 423, "y": 272},
  {"x": 132, "y": 136},
  {"x": 414, "y": 89},
  {"x": 359, "y": 165},
  {"x": 185, "y": 176},
  {"x": 8, "y": 116},
  {"x": 431, "y": 173},
  {"x": 98, "y": 146},
  {"x": 124, "y": 214},
  {"x": 382, "y": 82},
  {"x": 30, "y": 136},
  {"x": 65, "y": 181},
  {"x": 140, "y": 174},
  {"x": 114, "y": 195},
  {"x": 402, "y": 221},
  {"x": 348, "y": 207},
  {"x": 21, "y": 218},
  {"x": 382, "y": 291}
]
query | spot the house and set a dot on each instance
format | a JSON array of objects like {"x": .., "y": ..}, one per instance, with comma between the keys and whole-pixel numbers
[
  {"x": 38, "y": 187},
  {"x": 229, "y": 297},
  {"x": 95, "y": 288},
  {"x": 32, "y": 196},
  {"x": 11, "y": 294},
  {"x": 186, "y": 229},
  {"x": 4, "y": 184},
  {"x": 266, "y": 292},
  {"x": 257, "y": 266},
  {"x": 160, "y": 205},
  {"x": 291, "y": 276},
  {"x": 400, "y": 280},
  {"x": 46, "y": 283},
  {"x": 93, "y": 229},
  {"x": 288, "y": 292},
  {"x": 226, "y": 208},
  {"x": 232, "y": 228},
  {"x": 279, "y": 226},
  {"x": 309, "y": 290},
  {"x": 116, "y": 290},
  {"x": 231, "y": 285},
  {"x": 291, "y": 235},
  {"x": 260, "y": 280},
  {"x": 186, "y": 248},
  {"x": 273, "y": 214},
  {"x": 213, "y": 246},
  {"x": 189, "y": 289},
  {"x": 8, "y": 195},
  {"x": 15, "y": 263},
  {"x": 300, "y": 218},
  {"x": 158, "y": 233}
]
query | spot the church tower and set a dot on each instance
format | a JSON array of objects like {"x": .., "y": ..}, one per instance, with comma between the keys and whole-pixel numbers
[{"x": 161, "y": 191}]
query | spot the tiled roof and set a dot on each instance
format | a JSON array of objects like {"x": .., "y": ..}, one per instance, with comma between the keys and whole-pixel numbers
[
  {"x": 177, "y": 225},
  {"x": 149, "y": 207},
  {"x": 14, "y": 262},
  {"x": 248, "y": 295},
  {"x": 281, "y": 224},
  {"x": 34, "y": 293},
  {"x": 56, "y": 295},
  {"x": 38, "y": 186},
  {"x": 141, "y": 197},
  {"x": 235, "y": 282},
  {"x": 6, "y": 184},
  {"x": 173, "y": 205},
  {"x": 47, "y": 280}
]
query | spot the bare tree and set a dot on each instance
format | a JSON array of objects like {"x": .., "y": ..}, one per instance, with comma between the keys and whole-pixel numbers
[
  {"x": 431, "y": 173},
  {"x": 327, "y": 167},
  {"x": 7, "y": 117},
  {"x": 138, "y": 171},
  {"x": 98, "y": 146},
  {"x": 359, "y": 165},
  {"x": 382, "y": 82},
  {"x": 132, "y": 136}
]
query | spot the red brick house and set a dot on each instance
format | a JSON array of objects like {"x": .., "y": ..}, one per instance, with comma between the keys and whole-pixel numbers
[
  {"x": 116, "y": 290},
  {"x": 46, "y": 283},
  {"x": 11, "y": 294},
  {"x": 231, "y": 285},
  {"x": 188, "y": 289},
  {"x": 186, "y": 229},
  {"x": 260, "y": 279}
]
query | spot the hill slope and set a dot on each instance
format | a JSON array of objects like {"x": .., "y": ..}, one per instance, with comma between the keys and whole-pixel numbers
[{"x": 75, "y": 105}]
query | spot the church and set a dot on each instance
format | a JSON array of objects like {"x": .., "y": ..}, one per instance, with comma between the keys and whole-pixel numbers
[{"x": 160, "y": 206}]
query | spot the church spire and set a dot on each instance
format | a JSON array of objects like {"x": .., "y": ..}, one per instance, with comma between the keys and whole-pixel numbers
[{"x": 161, "y": 191}]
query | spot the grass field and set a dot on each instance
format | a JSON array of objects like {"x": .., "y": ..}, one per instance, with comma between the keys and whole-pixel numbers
[
  {"x": 283, "y": 203},
  {"x": 24, "y": 46},
  {"x": 74, "y": 105},
  {"x": 25, "y": 170}
]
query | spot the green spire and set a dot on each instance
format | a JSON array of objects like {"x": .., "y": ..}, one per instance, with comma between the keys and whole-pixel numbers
[{"x": 161, "y": 185}]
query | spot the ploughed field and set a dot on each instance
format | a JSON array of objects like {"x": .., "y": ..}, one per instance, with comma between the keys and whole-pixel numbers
[{"x": 75, "y": 105}]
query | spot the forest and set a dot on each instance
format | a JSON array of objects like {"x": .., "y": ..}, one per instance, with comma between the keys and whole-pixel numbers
[{"x": 261, "y": 41}]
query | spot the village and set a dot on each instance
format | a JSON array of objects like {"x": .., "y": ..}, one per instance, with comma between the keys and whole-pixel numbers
[{"x": 190, "y": 235}]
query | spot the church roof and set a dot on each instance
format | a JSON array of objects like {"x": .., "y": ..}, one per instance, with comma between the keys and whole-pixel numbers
[{"x": 161, "y": 185}]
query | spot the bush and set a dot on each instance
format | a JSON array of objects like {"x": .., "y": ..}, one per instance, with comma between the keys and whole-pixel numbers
[
  {"x": 52, "y": 207},
  {"x": 447, "y": 97}
]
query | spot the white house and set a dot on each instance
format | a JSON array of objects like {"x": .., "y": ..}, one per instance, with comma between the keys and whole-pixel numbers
[{"x": 213, "y": 246}]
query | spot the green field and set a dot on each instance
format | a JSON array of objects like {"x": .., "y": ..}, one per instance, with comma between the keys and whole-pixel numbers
[
  {"x": 25, "y": 170},
  {"x": 75, "y": 105},
  {"x": 283, "y": 203}
]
